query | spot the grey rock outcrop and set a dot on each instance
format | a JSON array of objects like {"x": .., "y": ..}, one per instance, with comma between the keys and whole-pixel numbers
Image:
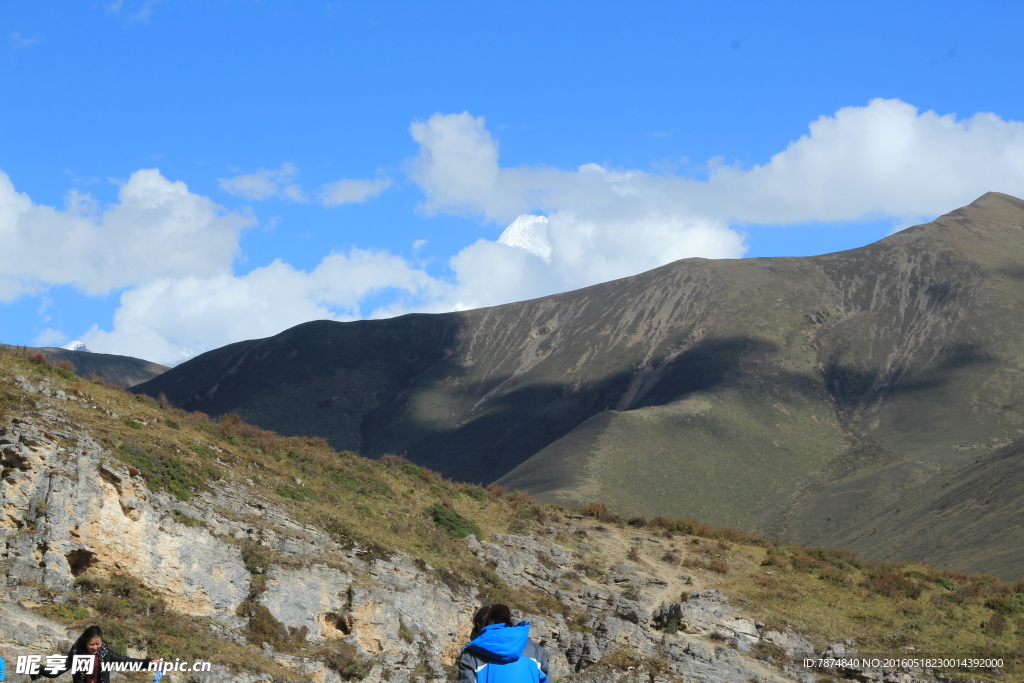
[{"x": 67, "y": 507}]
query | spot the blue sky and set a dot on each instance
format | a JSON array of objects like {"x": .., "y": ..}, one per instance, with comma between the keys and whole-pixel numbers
[{"x": 180, "y": 175}]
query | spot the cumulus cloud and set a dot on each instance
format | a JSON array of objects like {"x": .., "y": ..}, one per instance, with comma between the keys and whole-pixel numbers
[
  {"x": 348, "y": 191},
  {"x": 50, "y": 337},
  {"x": 169, "y": 320},
  {"x": 157, "y": 229},
  {"x": 600, "y": 223},
  {"x": 882, "y": 160},
  {"x": 885, "y": 159},
  {"x": 275, "y": 183},
  {"x": 572, "y": 228},
  {"x": 171, "y": 251}
]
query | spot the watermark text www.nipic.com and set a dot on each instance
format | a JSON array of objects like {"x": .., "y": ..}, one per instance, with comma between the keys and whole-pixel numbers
[{"x": 31, "y": 664}]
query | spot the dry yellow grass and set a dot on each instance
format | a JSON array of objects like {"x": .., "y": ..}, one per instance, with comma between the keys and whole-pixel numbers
[{"x": 384, "y": 506}]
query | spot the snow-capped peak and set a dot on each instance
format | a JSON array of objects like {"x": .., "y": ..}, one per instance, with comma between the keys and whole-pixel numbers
[
  {"x": 75, "y": 346},
  {"x": 529, "y": 233}
]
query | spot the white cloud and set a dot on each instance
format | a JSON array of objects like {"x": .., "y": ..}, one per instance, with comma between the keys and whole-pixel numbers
[
  {"x": 348, "y": 191},
  {"x": 566, "y": 229},
  {"x": 601, "y": 224},
  {"x": 266, "y": 184},
  {"x": 157, "y": 229},
  {"x": 169, "y": 320},
  {"x": 18, "y": 40},
  {"x": 883, "y": 160},
  {"x": 50, "y": 337},
  {"x": 135, "y": 12}
]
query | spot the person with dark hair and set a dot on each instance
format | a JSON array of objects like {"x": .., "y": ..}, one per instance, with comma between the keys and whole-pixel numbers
[
  {"x": 91, "y": 644},
  {"x": 500, "y": 651}
]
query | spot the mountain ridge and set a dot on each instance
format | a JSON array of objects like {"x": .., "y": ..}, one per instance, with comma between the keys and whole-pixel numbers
[{"x": 794, "y": 396}]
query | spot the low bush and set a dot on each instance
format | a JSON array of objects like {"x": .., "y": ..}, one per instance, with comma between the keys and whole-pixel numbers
[
  {"x": 298, "y": 492},
  {"x": 452, "y": 523},
  {"x": 161, "y": 472},
  {"x": 343, "y": 659},
  {"x": 888, "y": 580}
]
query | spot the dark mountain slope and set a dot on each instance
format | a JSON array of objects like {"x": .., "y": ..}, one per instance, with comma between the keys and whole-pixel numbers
[
  {"x": 122, "y": 370},
  {"x": 968, "y": 518},
  {"x": 795, "y": 395}
]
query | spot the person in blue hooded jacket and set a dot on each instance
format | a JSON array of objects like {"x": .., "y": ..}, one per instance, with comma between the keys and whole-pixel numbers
[{"x": 501, "y": 652}]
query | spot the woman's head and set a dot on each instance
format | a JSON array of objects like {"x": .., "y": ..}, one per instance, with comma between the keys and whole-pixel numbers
[
  {"x": 491, "y": 614},
  {"x": 90, "y": 641}
]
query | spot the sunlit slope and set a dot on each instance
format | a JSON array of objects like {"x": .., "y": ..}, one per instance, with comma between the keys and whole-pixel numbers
[
  {"x": 791, "y": 395},
  {"x": 902, "y": 366}
]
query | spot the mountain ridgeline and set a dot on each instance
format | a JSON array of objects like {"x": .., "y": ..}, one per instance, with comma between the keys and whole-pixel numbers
[
  {"x": 871, "y": 399},
  {"x": 124, "y": 371}
]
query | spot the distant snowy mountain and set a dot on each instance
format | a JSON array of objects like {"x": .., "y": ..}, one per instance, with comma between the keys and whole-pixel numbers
[
  {"x": 76, "y": 346},
  {"x": 529, "y": 233}
]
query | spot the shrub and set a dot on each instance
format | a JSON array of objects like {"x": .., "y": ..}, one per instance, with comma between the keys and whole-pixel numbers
[
  {"x": 359, "y": 484},
  {"x": 835, "y": 575},
  {"x": 343, "y": 659},
  {"x": 474, "y": 492},
  {"x": 67, "y": 612},
  {"x": 595, "y": 510},
  {"x": 637, "y": 521},
  {"x": 804, "y": 562},
  {"x": 182, "y": 518},
  {"x": 145, "y": 400},
  {"x": 132, "y": 423},
  {"x": 495, "y": 492},
  {"x": 770, "y": 652},
  {"x": 717, "y": 565},
  {"x": 775, "y": 559},
  {"x": 162, "y": 473},
  {"x": 661, "y": 521},
  {"x": 888, "y": 580},
  {"x": 1004, "y": 604},
  {"x": 633, "y": 553},
  {"x": 519, "y": 499},
  {"x": 299, "y": 492},
  {"x": 256, "y": 558},
  {"x": 452, "y": 523},
  {"x": 66, "y": 370},
  {"x": 39, "y": 359},
  {"x": 997, "y": 624}
]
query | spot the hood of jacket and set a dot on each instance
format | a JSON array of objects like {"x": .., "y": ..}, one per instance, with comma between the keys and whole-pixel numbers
[{"x": 501, "y": 643}]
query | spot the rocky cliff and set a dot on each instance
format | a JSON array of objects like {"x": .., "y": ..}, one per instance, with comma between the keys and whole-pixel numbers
[{"x": 234, "y": 569}]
